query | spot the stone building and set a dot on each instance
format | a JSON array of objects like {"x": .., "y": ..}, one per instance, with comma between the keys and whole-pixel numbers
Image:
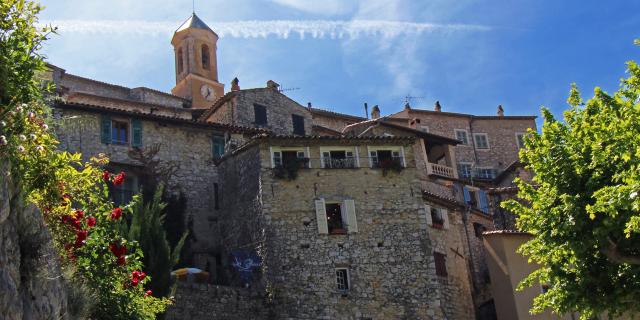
[{"x": 300, "y": 212}]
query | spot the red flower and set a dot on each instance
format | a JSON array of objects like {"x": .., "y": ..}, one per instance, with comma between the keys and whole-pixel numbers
[
  {"x": 134, "y": 282},
  {"x": 119, "y": 179},
  {"x": 148, "y": 293},
  {"x": 66, "y": 218},
  {"x": 137, "y": 276},
  {"x": 91, "y": 221},
  {"x": 116, "y": 214},
  {"x": 121, "y": 261},
  {"x": 118, "y": 250},
  {"x": 79, "y": 214},
  {"x": 82, "y": 235},
  {"x": 106, "y": 175},
  {"x": 75, "y": 223}
]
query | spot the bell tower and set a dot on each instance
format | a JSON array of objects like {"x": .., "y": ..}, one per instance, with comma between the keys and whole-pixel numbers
[{"x": 194, "y": 44}]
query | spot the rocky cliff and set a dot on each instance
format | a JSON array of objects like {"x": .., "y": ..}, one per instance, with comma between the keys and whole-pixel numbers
[{"x": 31, "y": 285}]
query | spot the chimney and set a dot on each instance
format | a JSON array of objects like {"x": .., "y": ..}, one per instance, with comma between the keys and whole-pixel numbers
[
  {"x": 375, "y": 112},
  {"x": 500, "y": 111},
  {"x": 366, "y": 110},
  {"x": 309, "y": 106},
  {"x": 235, "y": 84},
  {"x": 407, "y": 106},
  {"x": 437, "y": 107},
  {"x": 272, "y": 84}
]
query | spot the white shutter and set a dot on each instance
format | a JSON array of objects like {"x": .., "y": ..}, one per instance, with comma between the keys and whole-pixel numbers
[
  {"x": 445, "y": 218},
  {"x": 427, "y": 209},
  {"x": 321, "y": 217},
  {"x": 350, "y": 209}
]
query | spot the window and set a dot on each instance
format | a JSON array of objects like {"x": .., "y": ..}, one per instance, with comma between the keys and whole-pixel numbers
[
  {"x": 342, "y": 279},
  {"x": 441, "y": 265},
  {"x": 289, "y": 158},
  {"x": 424, "y": 128},
  {"x": 478, "y": 229},
  {"x": 481, "y": 141},
  {"x": 437, "y": 220},
  {"x": 260, "y": 114},
  {"x": 485, "y": 173},
  {"x": 216, "y": 201},
  {"x": 520, "y": 139},
  {"x": 123, "y": 194},
  {"x": 205, "y": 56},
  {"x": 336, "y": 217},
  {"x": 179, "y": 61},
  {"x": 335, "y": 224},
  {"x": 298, "y": 124},
  {"x": 338, "y": 159},
  {"x": 464, "y": 170},
  {"x": 385, "y": 158},
  {"x": 461, "y": 135},
  {"x": 217, "y": 145},
  {"x": 476, "y": 198},
  {"x": 119, "y": 132}
]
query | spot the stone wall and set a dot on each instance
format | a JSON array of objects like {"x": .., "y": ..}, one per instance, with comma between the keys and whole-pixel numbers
[
  {"x": 279, "y": 110},
  {"x": 31, "y": 286},
  {"x": 189, "y": 148},
  {"x": 204, "y": 302},
  {"x": 331, "y": 120},
  {"x": 390, "y": 262}
]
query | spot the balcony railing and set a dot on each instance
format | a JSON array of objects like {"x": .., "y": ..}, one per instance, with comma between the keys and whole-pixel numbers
[
  {"x": 332, "y": 163},
  {"x": 440, "y": 170}
]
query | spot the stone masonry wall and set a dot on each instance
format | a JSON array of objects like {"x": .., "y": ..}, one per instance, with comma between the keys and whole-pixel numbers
[
  {"x": 279, "y": 110},
  {"x": 204, "y": 302},
  {"x": 332, "y": 122},
  {"x": 31, "y": 287},
  {"x": 188, "y": 147},
  {"x": 391, "y": 266}
]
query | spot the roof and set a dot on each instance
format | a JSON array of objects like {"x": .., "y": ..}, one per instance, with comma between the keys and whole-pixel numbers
[
  {"x": 336, "y": 114},
  {"x": 509, "y": 232},
  {"x": 425, "y": 135},
  {"x": 157, "y": 117},
  {"x": 468, "y": 115},
  {"x": 329, "y": 130},
  {"x": 332, "y": 138},
  {"x": 194, "y": 22}
]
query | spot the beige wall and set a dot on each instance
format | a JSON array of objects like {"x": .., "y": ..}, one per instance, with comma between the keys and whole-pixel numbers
[{"x": 507, "y": 268}]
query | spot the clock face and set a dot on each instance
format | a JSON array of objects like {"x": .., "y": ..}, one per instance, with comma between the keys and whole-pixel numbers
[{"x": 207, "y": 92}]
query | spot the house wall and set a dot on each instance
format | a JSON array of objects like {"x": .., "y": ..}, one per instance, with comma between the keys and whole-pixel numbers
[
  {"x": 189, "y": 148},
  {"x": 332, "y": 122},
  {"x": 391, "y": 266}
]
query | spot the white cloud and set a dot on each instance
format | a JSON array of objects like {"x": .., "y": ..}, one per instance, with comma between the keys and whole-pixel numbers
[
  {"x": 317, "y": 29},
  {"x": 324, "y": 7}
]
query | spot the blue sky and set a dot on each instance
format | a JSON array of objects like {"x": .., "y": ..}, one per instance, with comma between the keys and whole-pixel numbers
[{"x": 471, "y": 55}]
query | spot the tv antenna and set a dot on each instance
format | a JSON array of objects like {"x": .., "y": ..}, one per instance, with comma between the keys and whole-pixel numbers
[
  {"x": 287, "y": 89},
  {"x": 408, "y": 98}
]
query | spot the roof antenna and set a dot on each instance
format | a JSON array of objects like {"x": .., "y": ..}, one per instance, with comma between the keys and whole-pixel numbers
[{"x": 193, "y": 6}]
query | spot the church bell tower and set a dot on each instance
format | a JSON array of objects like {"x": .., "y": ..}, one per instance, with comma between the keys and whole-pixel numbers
[{"x": 194, "y": 44}]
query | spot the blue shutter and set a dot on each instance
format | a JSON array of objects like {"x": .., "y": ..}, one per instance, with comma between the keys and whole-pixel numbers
[
  {"x": 484, "y": 205},
  {"x": 217, "y": 146},
  {"x": 136, "y": 133},
  {"x": 467, "y": 196},
  {"x": 105, "y": 130}
]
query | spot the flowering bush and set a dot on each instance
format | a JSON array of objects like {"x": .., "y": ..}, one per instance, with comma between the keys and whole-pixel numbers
[{"x": 72, "y": 194}]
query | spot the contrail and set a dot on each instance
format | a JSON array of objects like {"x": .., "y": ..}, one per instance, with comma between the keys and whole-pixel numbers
[{"x": 317, "y": 29}]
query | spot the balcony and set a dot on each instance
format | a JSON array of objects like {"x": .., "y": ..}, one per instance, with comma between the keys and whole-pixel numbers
[
  {"x": 334, "y": 163},
  {"x": 440, "y": 170}
]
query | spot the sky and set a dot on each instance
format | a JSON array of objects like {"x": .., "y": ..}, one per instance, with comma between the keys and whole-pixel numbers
[{"x": 471, "y": 55}]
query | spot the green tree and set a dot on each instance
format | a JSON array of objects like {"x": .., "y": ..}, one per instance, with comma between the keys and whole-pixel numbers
[
  {"x": 582, "y": 206},
  {"x": 147, "y": 229}
]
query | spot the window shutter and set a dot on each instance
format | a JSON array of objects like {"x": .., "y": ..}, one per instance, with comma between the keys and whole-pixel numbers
[
  {"x": 484, "y": 206},
  {"x": 467, "y": 196},
  {"x": 136, "y": 133},
  {"x": 427, "y": 209},
  {"x": 350, "y": 209},
  {"x": 445, "y": 218},
  {"x": 321, "y": 217},
  {"x": 106, "y": 129}
]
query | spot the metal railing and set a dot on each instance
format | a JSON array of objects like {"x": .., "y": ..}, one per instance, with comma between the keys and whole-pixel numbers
[{"x": 332, "y": 163}]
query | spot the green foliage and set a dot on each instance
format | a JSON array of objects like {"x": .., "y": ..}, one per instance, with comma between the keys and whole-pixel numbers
[
  {"x": 72, "y": 195},
  {"x": 582, "y": 206},
  {"x": 147, "y": 229}
]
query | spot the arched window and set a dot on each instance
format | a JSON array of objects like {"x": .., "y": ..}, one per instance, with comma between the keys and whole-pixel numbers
[
  {"x": 179, "y": 62},
  {"x": 205, "y": 56}
]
